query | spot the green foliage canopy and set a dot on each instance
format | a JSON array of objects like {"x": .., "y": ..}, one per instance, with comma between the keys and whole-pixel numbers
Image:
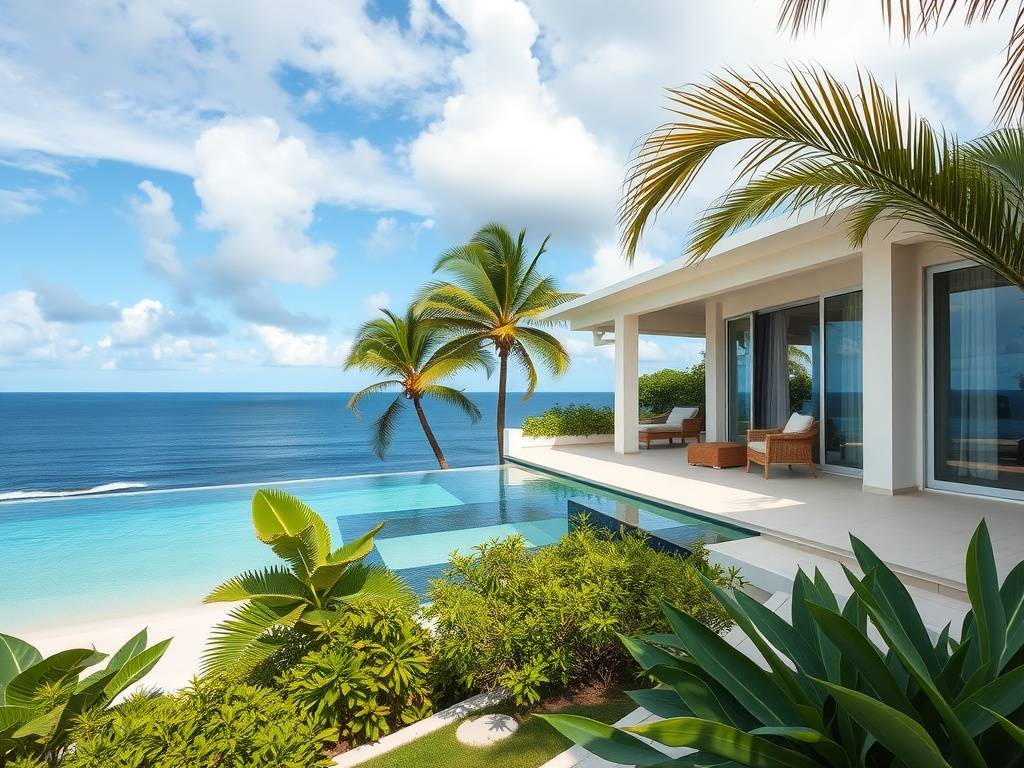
[
  {"x": 579, "y": 420},
  {"x": 662, "y": 390}
]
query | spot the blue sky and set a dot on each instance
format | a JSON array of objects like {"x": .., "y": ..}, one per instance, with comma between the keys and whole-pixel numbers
[{"x": 214, "y": 195}]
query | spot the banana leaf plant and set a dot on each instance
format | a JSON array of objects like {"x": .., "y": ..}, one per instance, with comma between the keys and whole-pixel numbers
[
  {"x": 830, "y": 693},
  {"x": 315, "y": 587},
  {"x": 41, "y": 697}
]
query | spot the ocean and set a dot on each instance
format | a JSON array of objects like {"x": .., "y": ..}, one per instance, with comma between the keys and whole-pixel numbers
[{"x": 54, "y": 444}]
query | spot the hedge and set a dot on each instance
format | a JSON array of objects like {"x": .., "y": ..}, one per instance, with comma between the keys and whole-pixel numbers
[{"x": 575, "y": 420}]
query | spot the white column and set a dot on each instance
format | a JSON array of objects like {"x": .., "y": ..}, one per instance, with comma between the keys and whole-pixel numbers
[
  {"x": 892, "y": 399},
  {"x": 627, "y": 385},
  {"x": 714, "y": 372}
]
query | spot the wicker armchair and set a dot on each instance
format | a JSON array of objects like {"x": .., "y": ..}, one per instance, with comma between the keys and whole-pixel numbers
[
  {"x": 663, "y": 430},
  {"x": 773, "y": 446}
]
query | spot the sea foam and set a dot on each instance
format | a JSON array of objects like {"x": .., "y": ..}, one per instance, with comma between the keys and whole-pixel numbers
[{"x": 106, "y": 488}]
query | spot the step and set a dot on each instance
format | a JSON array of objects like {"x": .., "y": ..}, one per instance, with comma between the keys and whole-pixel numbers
[{"x": 771, "y": 564}]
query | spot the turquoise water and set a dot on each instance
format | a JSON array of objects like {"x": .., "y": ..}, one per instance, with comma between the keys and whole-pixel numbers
[{"x": 81, "y": 558}]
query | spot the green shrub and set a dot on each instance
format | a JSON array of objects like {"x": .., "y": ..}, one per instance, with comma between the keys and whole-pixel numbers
[
  {"x": 576, "y": 420},
  {"x": 662, "y": 390},
  {"x": 40, "y": 697},
  {"x": 832, "y": 695},
  {"x": 212, "y": 723},
  {"x": 368, "y": 677},
  {"x": 506, "y": 616}
]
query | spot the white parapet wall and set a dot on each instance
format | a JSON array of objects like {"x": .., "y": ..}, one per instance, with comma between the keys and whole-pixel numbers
[{"x": 514, "y": 440}]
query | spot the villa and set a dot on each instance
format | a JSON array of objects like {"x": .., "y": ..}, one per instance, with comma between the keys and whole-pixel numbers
[{"x": 917, "y": 371}]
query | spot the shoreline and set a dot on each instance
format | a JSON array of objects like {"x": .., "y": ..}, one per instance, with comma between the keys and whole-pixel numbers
[{"x": 189, "y": 627}]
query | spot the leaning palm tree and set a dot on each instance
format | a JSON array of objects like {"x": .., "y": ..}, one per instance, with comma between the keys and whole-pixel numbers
[
  {"x": 813, "y": 141},
  {"x": 316, "y": 587},
  {"x": 927, "y": 15},
  {"x": 496, "y": 298},
  {"x": 413, "y": 354}
]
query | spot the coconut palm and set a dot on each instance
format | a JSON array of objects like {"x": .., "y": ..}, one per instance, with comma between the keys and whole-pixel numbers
[
  {"x": 414, "y": 354},
  {"x": 496, "y": 297},
  {"x": 318, "y": 584},
  {"x": 927, "y": 15},
  {"x": 813, "y": 141}
]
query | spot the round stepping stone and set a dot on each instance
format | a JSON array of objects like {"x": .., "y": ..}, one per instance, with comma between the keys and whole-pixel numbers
[{"x": 486, "y": 730}]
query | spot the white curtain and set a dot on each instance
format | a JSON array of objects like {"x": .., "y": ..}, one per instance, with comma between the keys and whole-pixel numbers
[
  {"x": 774, "y": 371},
  {"x": 974, "y": 372}
]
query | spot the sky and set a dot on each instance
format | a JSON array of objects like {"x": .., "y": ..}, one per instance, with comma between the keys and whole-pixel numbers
[{"x": 214, "y": 195}]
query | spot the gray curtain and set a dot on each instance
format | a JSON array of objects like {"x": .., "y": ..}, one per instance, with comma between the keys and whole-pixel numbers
[{"x": 771, "y": 367}]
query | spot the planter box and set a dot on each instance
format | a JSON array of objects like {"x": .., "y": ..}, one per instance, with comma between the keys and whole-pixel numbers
[{"x": 514, "y": 439}]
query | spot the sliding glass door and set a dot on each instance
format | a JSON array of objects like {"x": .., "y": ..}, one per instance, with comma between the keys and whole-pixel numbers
[
  {"x": 843, "y": 417},
  {"x": 740, "y": 361},
  {"x": 977, "y": 369}
]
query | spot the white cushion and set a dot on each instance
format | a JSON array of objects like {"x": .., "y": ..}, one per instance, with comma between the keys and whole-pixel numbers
[
  {"x": 758, "y": 445},
  {"x": 661, "y": 427},
  {"x": 798, "y": 423},
  {"x": 679, "y": 414}
]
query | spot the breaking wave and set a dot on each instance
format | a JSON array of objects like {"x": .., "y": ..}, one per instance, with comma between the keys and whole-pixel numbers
[{"x": 106, "y": 488}]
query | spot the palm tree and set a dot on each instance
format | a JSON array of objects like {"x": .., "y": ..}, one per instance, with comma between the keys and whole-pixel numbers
[
  {"x": 928, "y": 15},
  {"x": 414, "y": 353},
  {"x": 496, "y": 298},
  {"x": 317, "y": 585},
  {"x": 813, "y": 141}
]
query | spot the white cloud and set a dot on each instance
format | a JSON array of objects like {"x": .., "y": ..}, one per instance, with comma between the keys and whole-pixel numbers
[
  {"x": 155, "y": 218},
  {"x": 503, "y": 148},
  {"x": 260, "y": 190},
  {"x": 609, "y": 267},
  {"x": 290, "y": 349},
  {"x": 390, "y": 235},
  {"x": 15, "y": 203},
  {"x": 373, "y": 303},
  {"x": 27, "y": 337}
]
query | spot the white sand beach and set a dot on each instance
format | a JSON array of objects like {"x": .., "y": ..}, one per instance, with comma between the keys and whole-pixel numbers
[{"x": 189, "y": 628}]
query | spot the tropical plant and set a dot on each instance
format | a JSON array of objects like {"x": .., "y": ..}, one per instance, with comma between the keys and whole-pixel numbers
[
  {"x": 529, "y": 621},
  {"x": 40, "y": 698},
  {"x": 496, "y": 297},
  {"x": 932, "y": 14},
  {"x": 813, "y": 141},
  {"x": 662, "y": 390},
  {"x": 212, "y": 722},
  {"x": 829, "y": 695},
  {"x": 581, "y": 419},
  {"x": 316, "y": 588},
  {"x": 413, "y": 354},
  {"x": 368, "y": 676}
]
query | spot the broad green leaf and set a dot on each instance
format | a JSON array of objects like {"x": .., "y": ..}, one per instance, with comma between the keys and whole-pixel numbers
[
  {"x": 663, "y": 702},
  {"x": 781, "y": 634},
  {"x": 606, "y": 742},
  {"x": 746, "y": 681},
  {"x": 15, "y": 657},
  {"x": 135, "y": 645},
  {"x": 1004, "y": 695},
  {"x": 892, "y": 597},
  {"x": 134, "y": 669},
  {"x": 799, "y": 690},
  {"x": 861, "y": 652},
  {"x": 12, "y": 718},
  {"x": 41, "y": 726},
  {"x": 700, "y": 760},
  {"x": 292, "y": 529},
  {"x": 986, "y": 603},
  {"x": 1012, "y": 595},
  {"x": 21, "y": 691},
  {"x": 1011, "y": 728},
  {"x": 362, "y": 583},
  {"x": 326, "y": 575},
  {"x": 821, "y": 743},
  {"x": 897, "y": 732},
  {"x": 704, "y": 695},
  {"x": 647, "y": 655},
  {"x": 724, "y": 741}
]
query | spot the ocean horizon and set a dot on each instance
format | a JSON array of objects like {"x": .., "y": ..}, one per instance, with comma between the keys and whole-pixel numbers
[{"x": 61, "y": 443}]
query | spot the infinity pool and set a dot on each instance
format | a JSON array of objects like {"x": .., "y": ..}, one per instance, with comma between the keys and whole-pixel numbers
[{"x": 93, "y": 557}]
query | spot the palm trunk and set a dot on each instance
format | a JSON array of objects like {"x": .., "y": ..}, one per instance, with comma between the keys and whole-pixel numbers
[
  {"x": 441, "y": 461},
  {"x": 502, "y": 383}
]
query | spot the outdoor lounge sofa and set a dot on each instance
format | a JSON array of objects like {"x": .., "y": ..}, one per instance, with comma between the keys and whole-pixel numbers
[
  {"x": 792, "y": 444},
  {"x": 680, "y": 422}
]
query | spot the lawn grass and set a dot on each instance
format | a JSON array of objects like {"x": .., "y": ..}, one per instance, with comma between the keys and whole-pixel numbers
[{"x": 533, "y": 744}]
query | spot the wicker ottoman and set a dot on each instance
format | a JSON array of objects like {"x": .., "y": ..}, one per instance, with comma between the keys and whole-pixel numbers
[{"x": 717, "y": 455}]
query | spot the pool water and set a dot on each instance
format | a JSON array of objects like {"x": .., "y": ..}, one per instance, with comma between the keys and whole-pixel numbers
[{"x": 84, "y": 558}]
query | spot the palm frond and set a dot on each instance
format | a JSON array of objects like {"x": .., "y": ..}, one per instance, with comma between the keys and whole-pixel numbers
[
  {"x": 885, "y": 163},
  {"x": 369, "y": 583},
  {"x": 243, "y": 639},
  {"x": 522, "y": 357},
  {"x": 454, "y": 397},
  {"x": 385, "y": 425},
  {"x": 270, "y": 583},
  {"x": 545, "y": 348},
  {"x": 380, "y": 386},
  {"x": 928, "y": 15}
]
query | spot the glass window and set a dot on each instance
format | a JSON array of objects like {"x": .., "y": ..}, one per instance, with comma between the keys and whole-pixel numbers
[
  {"x": 786, "y": 364},
  {"x": 844, "y": 380},
  {"x": 978, "y": 354},
  {"x": 740, "y": 367}
]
